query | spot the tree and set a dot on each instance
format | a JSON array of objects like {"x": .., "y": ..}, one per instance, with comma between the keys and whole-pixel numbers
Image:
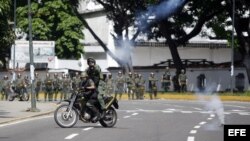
[
  {"x": 54, "y": 20},
  {"x": 6, "y": 32}
]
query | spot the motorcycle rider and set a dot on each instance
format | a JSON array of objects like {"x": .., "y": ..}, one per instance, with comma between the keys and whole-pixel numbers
[
  {"x": 88, "y": 87},
  {"x": 94, "y": 72}
]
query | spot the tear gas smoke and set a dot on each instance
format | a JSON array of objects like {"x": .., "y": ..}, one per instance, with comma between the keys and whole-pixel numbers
[
  {"x": 158, "y": 12},
  {"x": 214, "y": 103}
]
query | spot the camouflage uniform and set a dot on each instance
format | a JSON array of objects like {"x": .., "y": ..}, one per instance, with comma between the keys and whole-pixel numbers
[
  {"x": 102, "y": 92},
  {"x": 130, "y": 85},
  {"x": 137, "y": 85},
  {"x": 119, "y": 83},
  {"x": 66, "y": 87},
  {"x": 19, "y": 84},
  {"x": 141, "y": 87},
  {"x": 109, "y": 85},
  {"x": 5, "y": 88},
  {"x": 57, "y": 85},
  {"x": 38, "y": 84},
  {"x": 76, "y": 81},
  {"x": 166, "y": 80},
  {"x": 48, "y": 82},
  {"x": 183, "y": 81},
  {"x": 152, "y": 84}
]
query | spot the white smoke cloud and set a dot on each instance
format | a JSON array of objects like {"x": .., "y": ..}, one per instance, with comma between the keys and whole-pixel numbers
[{"x": 158, "y": 12}]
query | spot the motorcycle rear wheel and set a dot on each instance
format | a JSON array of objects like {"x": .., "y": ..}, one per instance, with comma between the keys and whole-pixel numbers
[
  {"x": 65, "y": 119},
  {"x": 110, "y": 118}
]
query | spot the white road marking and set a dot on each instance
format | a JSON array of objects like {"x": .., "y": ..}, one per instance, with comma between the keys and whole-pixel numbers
[
  {"x": 238, "y": 110},
  {"x": 244, "y": 114},
  {"x": 70, "y": 136},
  {"x": 212, "y": 115},
  {"x": 89, "y": 128},
  {"x": 202, "y": 123},
  {"x": 167, "y": 111},
  {"x": 126, "y": 116},
  {"x": 193, "y": 131},
  {"x": 134, "y": 114},
  {"x": 197, "y": 108},
  {"x": 209, "y": 118},
  {"x": 171, "y": 109},
  {"x": 25, "y": 120},
  {"x": 235, "y": 106},
  {"x": 197, "y": 127},
  {"x": 186, "y": 112},
  {"x": 190, "y": 138}
]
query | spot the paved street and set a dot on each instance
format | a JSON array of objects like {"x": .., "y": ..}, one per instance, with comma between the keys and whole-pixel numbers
[{"x": 156, "y": 120}]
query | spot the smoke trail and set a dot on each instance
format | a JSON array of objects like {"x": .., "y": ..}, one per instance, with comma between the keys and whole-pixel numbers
[
  {"x": 158, "y": 12},
  {"x": 214, "y": 103}
]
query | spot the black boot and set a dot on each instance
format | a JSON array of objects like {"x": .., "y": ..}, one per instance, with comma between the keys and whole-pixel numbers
[{"x": 96, "y": 113}]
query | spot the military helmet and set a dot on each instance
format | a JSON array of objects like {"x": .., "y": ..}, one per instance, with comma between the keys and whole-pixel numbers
[
  {"x": 152, "y": 74},
  {"x": 5, "y": 77},
  {"x": 182, "y": 70},
  {"x": 84, "y": 74},
  {"x": 91, "y": 60},
  {"x": 18, "y": 75}
]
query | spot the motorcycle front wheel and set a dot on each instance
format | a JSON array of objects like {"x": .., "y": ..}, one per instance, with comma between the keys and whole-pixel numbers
[
  {"x": 65, "y": 117},
  {"x": 110, "y": 118}
]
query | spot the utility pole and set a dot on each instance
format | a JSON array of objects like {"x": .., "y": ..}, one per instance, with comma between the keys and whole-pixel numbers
[
  {"x": 232, "y": 48},
  {"x": 32, "y": 68},
  {"x": 14, "y": 47}
]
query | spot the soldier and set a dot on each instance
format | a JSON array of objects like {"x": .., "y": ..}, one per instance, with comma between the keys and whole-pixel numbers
[
  {"x": 183, "y": 81},
  {"x": 130, "y": 85},
  {"x": 57, "y": 86},
  {"x": 19, "y": 83},
  {"x": 6, "y": 86},
  {"x": 38, "y": 84},
  {"x": 119, "y": 84},
  {"x": 166, "y": 80},
  {"x": 48, "y": 82},
  {"x": 109, "y": 85},
  {"x": 141, "y": 85},
  {"x": 66, "y": 87},
  {"x": 152, "y": 85},
  {"x": 102, "y": 91},
  {"x": 94, "y": 71},
  {"x": 137, "y": 85},
  {"x": 76, "y": 81},
  {"x": 27, "y": 84}
]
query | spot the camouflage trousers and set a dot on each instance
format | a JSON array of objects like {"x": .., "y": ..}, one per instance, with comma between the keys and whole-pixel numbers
[{"x": 153, "y": 92}]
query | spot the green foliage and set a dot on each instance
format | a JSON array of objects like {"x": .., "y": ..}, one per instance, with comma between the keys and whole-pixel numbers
[
  {"x": 54, "y": 20},
  {"x": 6, "y": 32}
]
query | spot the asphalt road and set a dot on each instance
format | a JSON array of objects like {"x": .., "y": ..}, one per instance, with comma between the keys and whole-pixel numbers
[{"x": 156, "y": 120}]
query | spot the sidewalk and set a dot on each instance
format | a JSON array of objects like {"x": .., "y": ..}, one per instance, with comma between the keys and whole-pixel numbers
[{"x": 11, "y": 111}]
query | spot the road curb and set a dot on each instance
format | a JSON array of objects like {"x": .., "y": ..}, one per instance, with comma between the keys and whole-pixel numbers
[{"x": 38, "y": 114}]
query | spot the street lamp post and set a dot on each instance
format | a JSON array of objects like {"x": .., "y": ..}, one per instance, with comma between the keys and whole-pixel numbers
[
  {"x": 33, "y": 100},
  {"x": 14, "y": 46},
  {"x": 232, "y": 47}
]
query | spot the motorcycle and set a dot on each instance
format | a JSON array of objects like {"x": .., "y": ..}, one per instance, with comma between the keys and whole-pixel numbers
[
  {"x": 20, "y": 93},
  {"x": 67, "y": 114}
]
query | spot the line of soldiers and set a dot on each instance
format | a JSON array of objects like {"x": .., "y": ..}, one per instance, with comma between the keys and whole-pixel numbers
[
  {"x": 53, "y": 88},
  {"x": 8, "y": 87},
  {"x": 59, "y": 87}
]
